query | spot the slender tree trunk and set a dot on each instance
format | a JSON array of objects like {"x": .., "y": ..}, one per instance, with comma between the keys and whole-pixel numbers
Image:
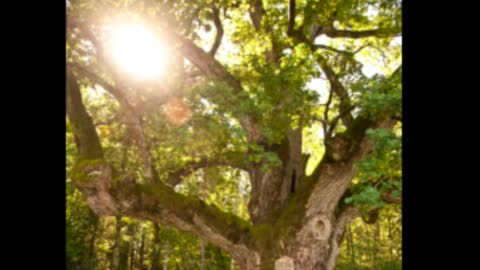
[
  {"x": 202, "y": 242},
  {"x": 91, "y": 252},
  {"x": 156, "y": 248},
  {"x": 118, "y": 239},
  {"x": 376, "y": 233},
  {"x": 124, "y": 257},
  {"x": 351, "y": 245},
  {"x": 132, "y": 246},
  {"x": 131, "y": 256},
  {"x": 232, "y": 264},
  {"x": 127, "y": 250},
  {"x": 142, "y": 251},
  {"x": 165, "y": 256},
  {"x": 202, "y": 254},
  {"x": 390, "y": 238}
]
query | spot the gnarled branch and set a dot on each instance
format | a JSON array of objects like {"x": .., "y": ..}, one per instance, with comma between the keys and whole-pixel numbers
[
  {"x": 324, "y": 188},
  {"x": 338, "y": 88},
  {"x": 335, "y": 84},
  {"x": 108, "y": 194},
  {"x": 219, "y": 34}
]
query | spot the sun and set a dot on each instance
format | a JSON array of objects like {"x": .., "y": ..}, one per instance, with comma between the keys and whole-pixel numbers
[{"x": 138, "y": 51}]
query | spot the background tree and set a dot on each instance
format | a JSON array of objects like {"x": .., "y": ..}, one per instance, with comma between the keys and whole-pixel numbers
[{"x": 287, "y": 167}]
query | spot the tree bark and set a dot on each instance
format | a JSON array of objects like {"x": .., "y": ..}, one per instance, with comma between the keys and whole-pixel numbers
[
  {"x": 165, "y": 255},
  {"x": 156, "y": 248},
  {"x": 142, "y": 252},
  {"x": 376, "y": 238},
  {"x": 116, "y": 248},
  {"x": 390, "y": 237},
  {"x": 203, "y": 194},
  {"x": 91, "y": 250},
  {"x": 130, "y": 256},
  {"x": 351, "y": 245},
  {"x": 202, "y": 254}
]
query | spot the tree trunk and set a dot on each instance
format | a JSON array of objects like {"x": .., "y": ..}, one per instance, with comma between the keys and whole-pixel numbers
[
  {"x": 156, "y": 248},
  {"x": 91, "y": 252},
  {"x": 124, "y": 256},
  {"x": 351, "y": 246},
  {"x": 202, "y": 254},
  {"x": 131, "y": 256},
  {"x": 131, "y": 246},
  {"x": 376, "y": 234},
  {"x": 165, "y": 256},
  {"x": 203, "y": 194},
  {"x": 315, "y": 250},
  {"x": 116, "y": 248},
  {"x": 142, "y": 252},
  {"x": 126, "y": 250},
  {"x": 390, "y": 238}
]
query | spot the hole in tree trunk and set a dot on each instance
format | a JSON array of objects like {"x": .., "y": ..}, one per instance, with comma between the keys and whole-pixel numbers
[
  {"x": 292, "y": 186},
  {"x": 320, "y": 225}
]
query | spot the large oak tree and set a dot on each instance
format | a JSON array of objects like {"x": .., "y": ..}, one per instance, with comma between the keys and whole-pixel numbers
[{"x": 235, "y": 96}]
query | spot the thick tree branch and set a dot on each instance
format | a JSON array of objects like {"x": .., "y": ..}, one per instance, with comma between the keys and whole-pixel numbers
[
  {"x": 219, "y": 34},
  {"x": 206, "y": 63},
  {"x": 325, "y": 194},
  {"x": 130, "y": 117},
  {"x": 211, "y": 67},
  {"x": 326, "y": 132},
  {"x": 334, "y": 122},
  {"x": 95, "y": 78},
  {"x": 338, "y": 88},
  {"x": 108, "y": 194},
  {"x": 298, "y": 35},
  {"x": 291, "y": 17},
  {"x": 335, "y": 83},
  {"x": 256, "y": 13},
  {"x": 86, "y": 138}
]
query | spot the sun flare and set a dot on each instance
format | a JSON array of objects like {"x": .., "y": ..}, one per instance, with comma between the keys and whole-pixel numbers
[{"x": 138, "y": 51}]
